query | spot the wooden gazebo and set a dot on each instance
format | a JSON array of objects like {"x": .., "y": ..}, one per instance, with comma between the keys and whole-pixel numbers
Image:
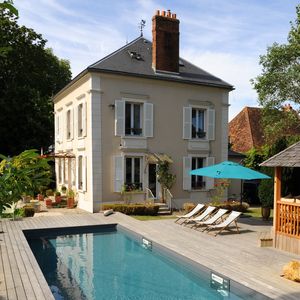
[{"x": 286, "y": 221}]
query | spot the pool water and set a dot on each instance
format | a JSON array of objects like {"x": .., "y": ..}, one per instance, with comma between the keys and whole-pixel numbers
[{"x": 114, "y": 266}]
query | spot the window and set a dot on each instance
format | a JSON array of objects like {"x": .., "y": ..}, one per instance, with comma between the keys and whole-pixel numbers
[
  {"x": 198, "y": 127},
  {"x": 80, "y": 120},
  {"x": 133, "y": 173},
  {"x": 68, "y": 124},
  {"x": 80, "y": 173},
  {"x": 197, "y": 181},
  {"x": 59, "y": 171},
  {"x": 133, "y": 118}
]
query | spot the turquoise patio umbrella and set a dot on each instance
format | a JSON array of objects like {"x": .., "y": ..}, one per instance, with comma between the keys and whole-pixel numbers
[{"x": 229, "y": 170}]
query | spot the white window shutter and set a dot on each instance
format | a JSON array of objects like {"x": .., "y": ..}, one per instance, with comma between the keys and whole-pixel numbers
[
  {"x": 72, "y": 123},
  {"x": 148, "y": 120},
  {"x": 187, "y": 123},
  {"x": 209, "y": 181},
  {"x": 84, "y": 119},
  {"x": 84, "y": 173},
  {"x": 61, "y": 127},
  {"x": 119, "y": 173},
  {"x": 187, "y": 165},
  {"x": 211, "y": 124},
  {"x": 56, "y": 125},
  {"x": 119, "y": 118}
]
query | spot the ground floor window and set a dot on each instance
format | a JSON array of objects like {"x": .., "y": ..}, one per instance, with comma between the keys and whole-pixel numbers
[
  {"x": 197, "y": 181},
  {"x": 133, "y": 174}
]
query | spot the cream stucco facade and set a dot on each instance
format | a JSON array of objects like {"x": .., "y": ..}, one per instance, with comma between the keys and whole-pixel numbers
[{"x": 100, "y": 146}]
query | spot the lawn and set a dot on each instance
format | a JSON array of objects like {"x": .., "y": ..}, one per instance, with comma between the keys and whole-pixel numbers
[
  {"x": 151, "y": 218},
  {"x": 255, "y": 212}
]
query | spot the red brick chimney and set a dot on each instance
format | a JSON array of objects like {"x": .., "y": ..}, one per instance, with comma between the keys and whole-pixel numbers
[{"x": 165, "y": 44}]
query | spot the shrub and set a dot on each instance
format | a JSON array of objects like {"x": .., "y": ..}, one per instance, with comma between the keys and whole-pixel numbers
[
  {"x": 49, "y": 193},
  {"x": 63, "y": 189},
  {"x": 133, "y": 209},
  {"x": 188, "y": 206},
  {"x": 233, "y": 205},
  {"x": 28, "y": 211},
  {"x": 57, "y": 193}
]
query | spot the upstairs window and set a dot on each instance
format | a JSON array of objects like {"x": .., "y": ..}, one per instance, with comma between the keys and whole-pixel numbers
[
  {"x": 69, "y": 134},
  {"x": 133, "y": 118},
  {"x": 80, "y": 120},
  {"x": 197, "y": 181},
  {"x": 198, "y": 124}
]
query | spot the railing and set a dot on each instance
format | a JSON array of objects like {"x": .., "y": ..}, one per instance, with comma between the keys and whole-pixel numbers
[
  {"x": 149, "y": 195},
  {"x": 288, "y": 218},
  {"x": 168, "y": 197}
]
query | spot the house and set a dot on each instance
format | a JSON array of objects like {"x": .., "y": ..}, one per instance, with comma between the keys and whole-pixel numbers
[
  {"x": 136, "y": 107},
  {"x": 246, "y": 130}
]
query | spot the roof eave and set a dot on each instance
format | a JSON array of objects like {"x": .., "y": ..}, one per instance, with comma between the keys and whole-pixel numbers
[{"x": 97, "y": 70}]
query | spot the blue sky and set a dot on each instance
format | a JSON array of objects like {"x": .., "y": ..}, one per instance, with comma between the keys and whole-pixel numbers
[{"x": 224, "y": 37}]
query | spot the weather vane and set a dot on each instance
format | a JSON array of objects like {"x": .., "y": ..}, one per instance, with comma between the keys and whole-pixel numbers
[{"x": 141, "y": 26}]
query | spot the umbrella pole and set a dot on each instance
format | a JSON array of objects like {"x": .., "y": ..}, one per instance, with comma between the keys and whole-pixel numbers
[{"x": 241, "y": 200}]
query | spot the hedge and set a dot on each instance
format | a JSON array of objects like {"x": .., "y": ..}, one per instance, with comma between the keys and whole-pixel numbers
[{"x": 133, "y": 209}]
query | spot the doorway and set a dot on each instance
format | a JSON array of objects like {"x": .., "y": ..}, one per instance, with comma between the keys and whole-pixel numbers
[{"x": 152, "y": 185}]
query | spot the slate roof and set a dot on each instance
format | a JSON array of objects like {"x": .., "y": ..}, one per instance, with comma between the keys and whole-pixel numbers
[
  {"x": 245, "y": 130},
  {"x": 121, "y": 62},
  {"x": 290, "y": 157}
]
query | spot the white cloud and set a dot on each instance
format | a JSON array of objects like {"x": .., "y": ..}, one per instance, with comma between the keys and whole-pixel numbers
[{"x": 234, "y": 69}]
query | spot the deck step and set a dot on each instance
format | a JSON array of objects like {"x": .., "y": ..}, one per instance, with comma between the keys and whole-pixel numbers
[{"x": 163, "y": 209}]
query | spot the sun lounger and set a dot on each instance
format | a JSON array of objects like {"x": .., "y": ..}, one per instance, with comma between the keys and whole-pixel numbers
[
  {"x": 193, "y": 212},
  {"x": 232, "y": 217},
  {"x": 201, "y": 217},
  {"x": 216, "y": 217}
]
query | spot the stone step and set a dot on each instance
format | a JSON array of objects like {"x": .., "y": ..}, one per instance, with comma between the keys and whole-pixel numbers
[{"x": 164, "y": 212}]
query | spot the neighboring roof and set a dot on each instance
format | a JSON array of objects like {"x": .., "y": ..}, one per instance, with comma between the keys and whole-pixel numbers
[
  {"x": 235, "y": 154},
  {"x": 245, "y": 130},
  {"x": 289, "y": 157},
  {"x": 135, "y": 59}
]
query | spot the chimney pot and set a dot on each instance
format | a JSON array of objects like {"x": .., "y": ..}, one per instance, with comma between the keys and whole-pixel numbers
[
  {"x": 169, "y": 13},
  {"x": 173, "y": 16},
  {"x": 157, "y": 12},
  {"x": 163, "y": 13}
]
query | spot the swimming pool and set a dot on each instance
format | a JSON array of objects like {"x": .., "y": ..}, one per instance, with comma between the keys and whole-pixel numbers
[{"x": 107, "y": 263}]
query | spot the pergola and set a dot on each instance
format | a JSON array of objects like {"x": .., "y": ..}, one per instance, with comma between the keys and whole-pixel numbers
[{"x": 286, "y": 220}]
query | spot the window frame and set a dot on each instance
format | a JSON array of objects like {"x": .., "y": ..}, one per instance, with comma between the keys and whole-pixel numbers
[
  {"x": 80, "y": 120},
  {"x": 133, "y": 185},
  {"x": 203, "y": 131},
  {"x": 80, "y": 173},
  {"x": 68, "y": 124},
  {"x": 132, "y": 119},
  {"x": 203, "y": 183}
]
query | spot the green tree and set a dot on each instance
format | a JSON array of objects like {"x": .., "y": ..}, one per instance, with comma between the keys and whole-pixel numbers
[
  {"x": 29, "y": 76},
  {"x": 20, "y": 175},
  {"x": 279, "y": 83},
  {"x": 164, "y": 177}
]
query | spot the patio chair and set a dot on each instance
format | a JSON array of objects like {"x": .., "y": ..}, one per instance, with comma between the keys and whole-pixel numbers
[
  {"x": 215, "y": 218},
  {"x": 207, "y": 212},
  {"x": 193, "y": 212},
  {"x": 232, "y": 217}
]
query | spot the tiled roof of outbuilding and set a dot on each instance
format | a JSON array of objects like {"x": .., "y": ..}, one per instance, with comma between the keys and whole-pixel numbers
[{"x": 290, "y": 157}]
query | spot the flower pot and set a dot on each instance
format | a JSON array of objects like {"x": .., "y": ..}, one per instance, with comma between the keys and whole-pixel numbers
[
  {"x": 265, "y": 213},
  {"x": 40, "y": 197},
  {"x": 57, "y": 199},
  {"x": 48, "y": 203},
  {"x": 70, "y": 202}
]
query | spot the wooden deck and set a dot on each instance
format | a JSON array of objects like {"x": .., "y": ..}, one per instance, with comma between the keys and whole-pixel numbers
[{"x": 233, "y": 255}]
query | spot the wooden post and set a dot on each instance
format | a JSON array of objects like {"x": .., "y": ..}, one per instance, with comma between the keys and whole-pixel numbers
[{"x": 277, "y": 197}]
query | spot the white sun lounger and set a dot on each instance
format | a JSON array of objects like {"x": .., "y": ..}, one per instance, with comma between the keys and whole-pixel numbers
[
  {"x": 201, "y": 217},
  {"x": 194, "y": 211},
  {"x": 232, "y": 217},
  {"x": 219, "y": 214}
]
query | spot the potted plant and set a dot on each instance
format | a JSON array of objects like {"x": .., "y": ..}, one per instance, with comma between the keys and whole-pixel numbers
[
  {"x": 70, "y": 200},
  {"x": 265, "y": 193},
  {"x": 63, "y": 190},
  {"x": 57, "y": 197}
]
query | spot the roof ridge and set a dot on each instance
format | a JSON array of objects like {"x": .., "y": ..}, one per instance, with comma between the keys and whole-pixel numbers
[{"x": 116, "y": 51}]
